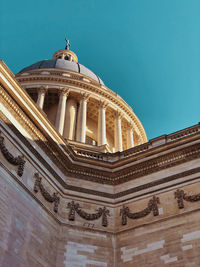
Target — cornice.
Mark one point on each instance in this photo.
(21, 97)
(148, 166)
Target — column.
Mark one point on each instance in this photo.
(82, 117)
(102, 124)
(130, 140)
(41, 95)
(70, 119)
(118, 132)
(60, 117)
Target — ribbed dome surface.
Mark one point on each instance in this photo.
(65, 65)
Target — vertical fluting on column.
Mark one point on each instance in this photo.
(130, 140)
(41, 95)
(82, 117)
(70, 119)
(118, 132)
(60, 117)
(102, 124)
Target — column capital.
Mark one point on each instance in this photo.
(62, 91)
(117, 114)
(103, 104)
(42, 89)
(129, 125)
(84, 97)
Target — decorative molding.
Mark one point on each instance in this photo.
(180, 195)
(138, 169)
(127, 192)
(39, 186)
(16, 161)
(151, 207)
(101, 212)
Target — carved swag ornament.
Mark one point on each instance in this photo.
(39, 186)
(101, 212)
(180, 195)
(16, 161)
(152, 207)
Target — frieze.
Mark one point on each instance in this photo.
(101, 212)
(180, 195)
(90, 191)
(151, 207)
(39, 186)
(16, 161)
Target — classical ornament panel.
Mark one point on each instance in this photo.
(101, 213)
(16, 161)
(180, 195)
(38, 186)
(151, 207)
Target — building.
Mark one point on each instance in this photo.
(80, 185)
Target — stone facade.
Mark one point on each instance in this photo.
(69, 204)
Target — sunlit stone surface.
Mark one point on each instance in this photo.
(79, 183)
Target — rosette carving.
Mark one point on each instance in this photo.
(38, 186)
(151, 207)
(16, 161)
(75, 208)
(180, 195)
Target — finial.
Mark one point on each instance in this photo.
(68, 44)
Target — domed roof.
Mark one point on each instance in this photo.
(66, 60)
(65, 65)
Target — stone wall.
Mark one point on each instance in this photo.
(28, 234)
(172, 242)
(83, 248)
(32, 231)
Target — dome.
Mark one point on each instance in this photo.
(82, 109)
(64, 64)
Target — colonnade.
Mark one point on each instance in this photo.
(73, 126)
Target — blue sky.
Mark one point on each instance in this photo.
(147, 51)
